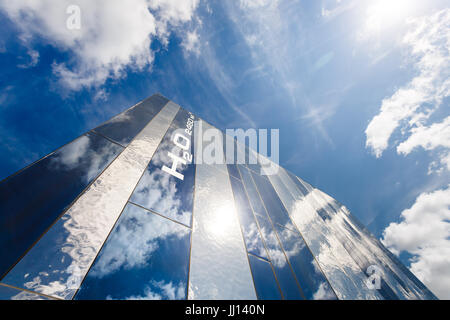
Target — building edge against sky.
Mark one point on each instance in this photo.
(125, 212)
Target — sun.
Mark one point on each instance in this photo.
(385, 14)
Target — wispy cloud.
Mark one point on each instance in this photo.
(411, 106)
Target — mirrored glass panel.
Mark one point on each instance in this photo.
(283, 270)
(272, 202)
(146, 257)
(31, 200)
(253, 195)
(312, 281)
(167, 186)
(219, 266)
(249, 227)
(265, 283)
(7, 293)
(344, 275)
(230, 151)
(125, 126)
(58, 262)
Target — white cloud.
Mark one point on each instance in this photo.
(191, 43)
(411, 106)
(114, 34)
(425, 232)
(134, 241)
(33, 60)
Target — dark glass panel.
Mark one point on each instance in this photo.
(283, 270)
(146, 257)
(255, 200)
(31, 200)
(312, 281)
(273, 204)
(233, 171)
(250, 229)
(125, 126)
(264, 279)
(167, 186)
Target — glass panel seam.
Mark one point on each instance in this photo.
(123, 208)
(158, 214)
(242, 234)
(301, 235)
(64, 211)
(279, 242)
(29, 291)
(83, 191)
(259, 230)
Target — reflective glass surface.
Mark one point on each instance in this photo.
(219, 266)
(344, 275)
(125, 126)
(231, 158)
(265, 283)
(31, 200)
(272, 202)
(167, 186)
(394, 284)
(255, 200)
(7, 293)
(59, 261)
(146, 257)
(312, 281)
(283, 270)
(250, 229)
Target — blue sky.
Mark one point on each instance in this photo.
(359, 91)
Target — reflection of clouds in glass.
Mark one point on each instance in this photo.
(253, 242)
(134, 240)
(157, 191)
(123, 117)
(80, 155)
(23, 295)
(364, 247)
(273, 247)
(291, 245)
(68, 249)
(71, 155)
(324, 292)
(160, 290)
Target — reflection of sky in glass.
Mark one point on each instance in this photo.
(366, 252)
(265, 283)
(145, 257)
(58, 262)
(249, 227)
(272, 202)
(283, 270)
(219, 264)
(31, 200)
(125, 126)
(313, 283)
(255, 200)
(7, 293)
(344, 275)
(159, 190)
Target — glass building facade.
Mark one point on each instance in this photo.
(126, 212)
